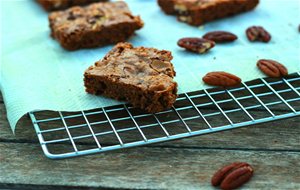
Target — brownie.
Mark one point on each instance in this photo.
(51, 5)
(197, 12)
(95, 25)
(141, 76)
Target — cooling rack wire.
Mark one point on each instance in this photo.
(70, 134)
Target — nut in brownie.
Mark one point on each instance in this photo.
(197, 12)
(142, 76)
(95, 25)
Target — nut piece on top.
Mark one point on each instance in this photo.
(52, 5)
(197, 12)
(142, 76)
(96, 25)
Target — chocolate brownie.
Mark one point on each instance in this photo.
(96, 25)
(142, 76)
(197, 12)
(51, 5)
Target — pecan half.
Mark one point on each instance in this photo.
(272, 68)
(220, 36)
(232, 176)
(258, 33)
(198, 45)
(221, 78)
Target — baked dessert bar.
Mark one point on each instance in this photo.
(51, 5)
(96, 25)
(197, 12)
(142, 76)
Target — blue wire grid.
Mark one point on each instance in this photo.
(70, 134)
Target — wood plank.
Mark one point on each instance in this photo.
(148, 167)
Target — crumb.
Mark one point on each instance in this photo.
(201, 27)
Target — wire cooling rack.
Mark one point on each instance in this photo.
(65, 134)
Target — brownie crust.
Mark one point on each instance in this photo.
(52, 5)
(96, 25)
(167, 6)
(197, 12)
(141, 76)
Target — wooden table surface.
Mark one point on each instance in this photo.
(272, 148)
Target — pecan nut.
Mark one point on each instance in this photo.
(163, 67)
(232, 176)
(221, 78)
(220, 36)
(198, 45)
(258, 33)
(272, 68)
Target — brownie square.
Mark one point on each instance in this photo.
(139, 75)
(95, 25)
(52, 5)
(197, 12)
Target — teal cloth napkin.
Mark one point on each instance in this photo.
(36, 73)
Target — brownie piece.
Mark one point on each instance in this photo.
(142, 76)
(197, 12)
(96, 25)
(52, 5)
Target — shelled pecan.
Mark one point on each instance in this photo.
(198, 45)
(220, 36)
(258, 33)
(221, 78)
(272, 68)
(232, 176)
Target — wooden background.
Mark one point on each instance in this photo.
(272, 148)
